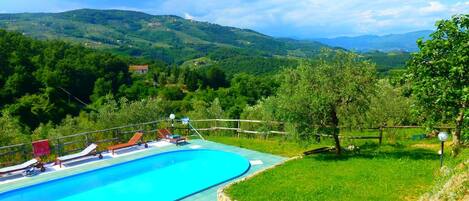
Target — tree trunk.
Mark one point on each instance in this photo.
(457, 132)
(335, 134)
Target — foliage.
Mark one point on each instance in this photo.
(110, 114)
(202, 110)
(389, 107)
(11, 131)
(386, 61)
(36, 78)
(255, 65)
(329, 91)
(63, 79)
(439, 74)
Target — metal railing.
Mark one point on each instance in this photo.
(75, 142)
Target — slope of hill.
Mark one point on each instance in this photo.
(171, 39)
(392, 42)
(385, 61)
(166, 37)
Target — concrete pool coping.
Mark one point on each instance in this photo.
(266, 161)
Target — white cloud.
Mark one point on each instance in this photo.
(313, 18)
(434, 6)
(188, 16)
(299, 18)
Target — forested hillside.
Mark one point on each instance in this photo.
(34, 76)
(171, 39)
(388, 60)
(43, 81)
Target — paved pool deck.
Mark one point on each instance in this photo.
(259, 161)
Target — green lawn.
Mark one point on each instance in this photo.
(378, 173)
(399, 169)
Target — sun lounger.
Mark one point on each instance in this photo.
(24, 166)
(89, 151)
(166, 134)
(135, 140)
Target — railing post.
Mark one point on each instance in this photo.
(87, 141)
(116, 135)
(57, 148)
(155, 128)
(25, 152)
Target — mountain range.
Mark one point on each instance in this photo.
(167, 37)
(391, 42)
(176, 40)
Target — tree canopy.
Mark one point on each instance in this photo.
(323, 93)
(41, 81)
(439, 74)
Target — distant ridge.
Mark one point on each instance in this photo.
(392, 42)
(175, 41)
(167, 37)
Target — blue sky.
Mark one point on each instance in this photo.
(281, 18)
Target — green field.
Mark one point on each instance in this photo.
(391, 171)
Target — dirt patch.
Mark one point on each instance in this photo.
(426, 146)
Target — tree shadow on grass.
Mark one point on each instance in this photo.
(376, 151)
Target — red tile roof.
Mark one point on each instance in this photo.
(138, 67)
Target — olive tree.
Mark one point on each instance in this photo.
(336, 88)
(389, 106)
(439, 74)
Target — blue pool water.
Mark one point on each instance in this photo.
(166, 176)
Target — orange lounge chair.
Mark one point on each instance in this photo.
(166, 134)
(135, 140)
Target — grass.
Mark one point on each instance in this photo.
(399, 169)
(388, 172)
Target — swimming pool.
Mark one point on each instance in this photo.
(166, 176)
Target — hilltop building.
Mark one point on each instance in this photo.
(140, 69)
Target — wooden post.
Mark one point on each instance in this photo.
(269, 126)
(239, 127)
(216, 125)
(380, 134)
